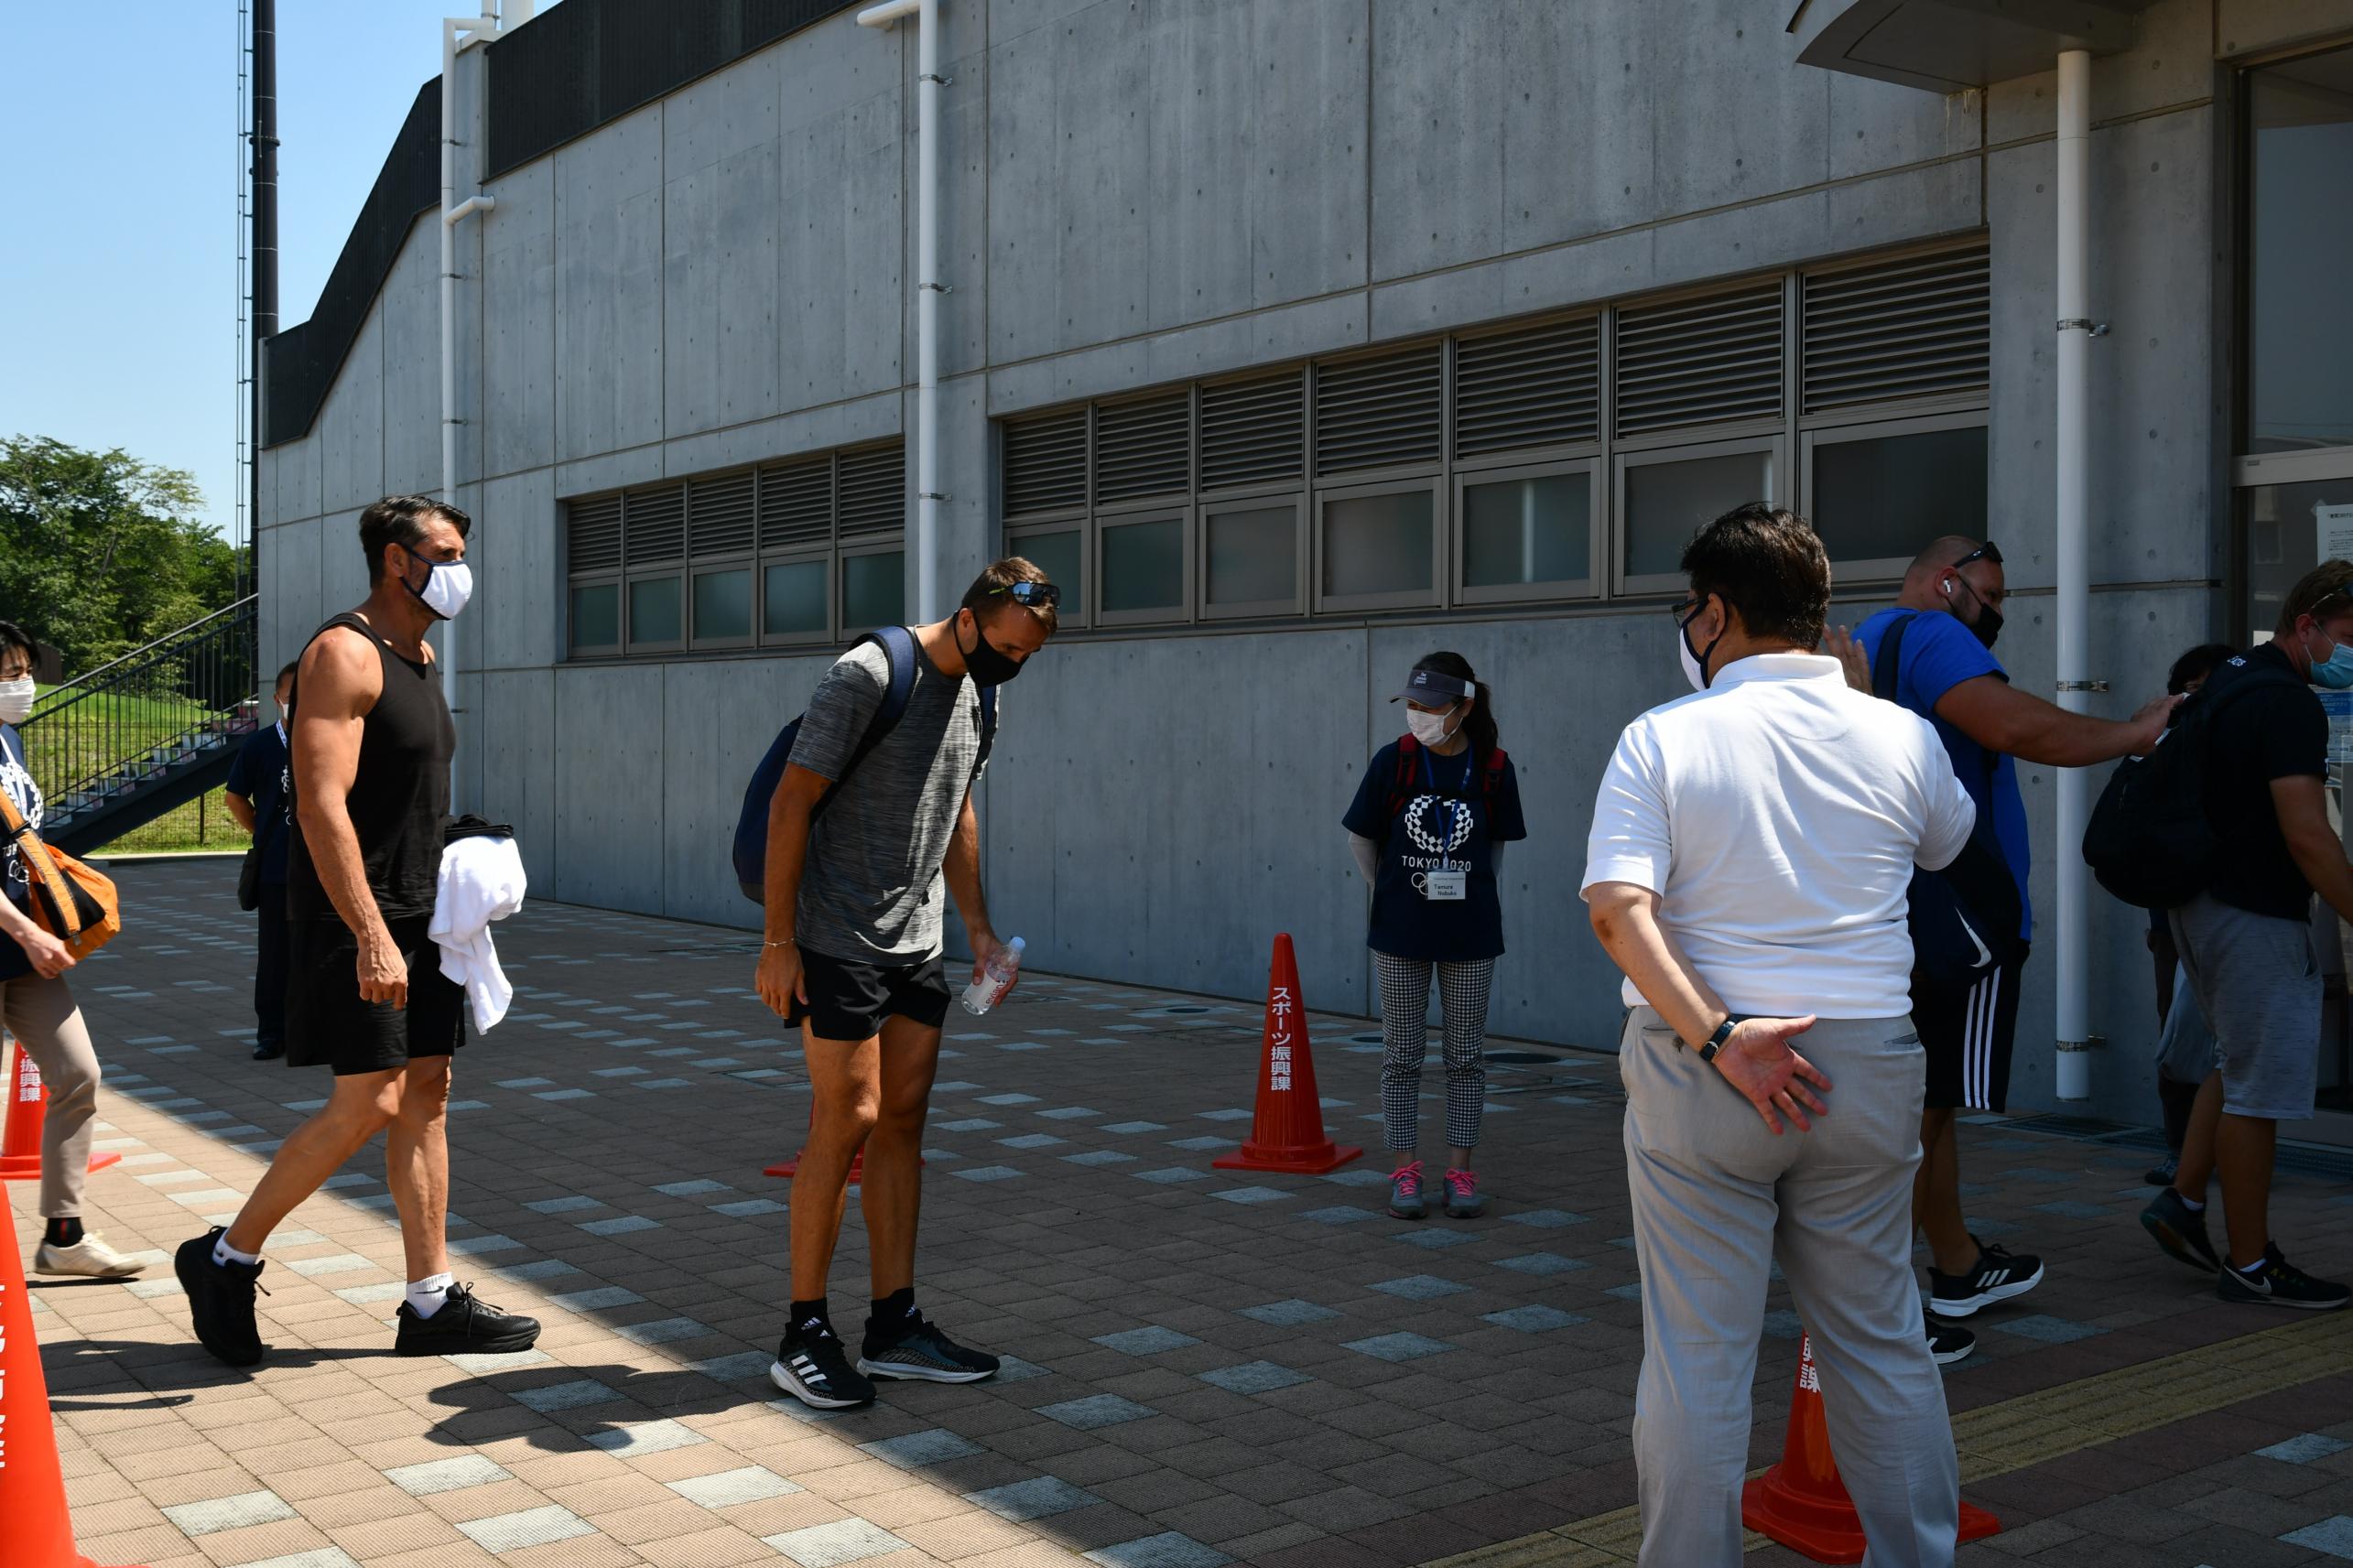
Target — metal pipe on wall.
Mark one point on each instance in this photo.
(477, 28)
(2073, 609)
(928, 288)
(262, 314)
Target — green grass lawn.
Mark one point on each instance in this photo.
(203, 823)
(100, 730)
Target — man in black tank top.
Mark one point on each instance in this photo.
(372, 738)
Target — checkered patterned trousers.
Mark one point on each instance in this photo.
(1405, 1029)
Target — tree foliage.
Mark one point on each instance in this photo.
(101, 553)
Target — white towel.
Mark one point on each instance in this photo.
(482, 880)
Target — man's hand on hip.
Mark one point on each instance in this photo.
(1761, 1065)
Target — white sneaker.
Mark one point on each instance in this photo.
(89, 1258)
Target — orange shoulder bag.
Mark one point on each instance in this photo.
(71, 902)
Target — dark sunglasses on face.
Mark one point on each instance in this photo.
(1034, 595)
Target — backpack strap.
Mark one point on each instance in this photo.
(1494, 780)
(988, 727)
(1400, 782)
(1887, 667)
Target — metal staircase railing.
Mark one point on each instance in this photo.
(117, 747)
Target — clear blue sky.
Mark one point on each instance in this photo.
(117, 282)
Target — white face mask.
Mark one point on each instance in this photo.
(15, 699)
(1693, 670)
(448, 586)
(1430, 729)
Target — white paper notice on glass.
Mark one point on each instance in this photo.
(2333, 526)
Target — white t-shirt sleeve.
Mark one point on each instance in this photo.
(1631, 840)
(1950, 815)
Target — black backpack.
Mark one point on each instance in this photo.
(2151, 841)
(1964, 918)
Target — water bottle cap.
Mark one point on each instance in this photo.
(1017, 945)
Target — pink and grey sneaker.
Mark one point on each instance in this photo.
(1406, 1192)
(1462, 1199)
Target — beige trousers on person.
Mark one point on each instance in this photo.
(41, 1014)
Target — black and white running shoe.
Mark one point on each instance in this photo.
(466, 1325)
(1998, 1275)
(919, 1350)
(1947, 1345)
(815, 1370)
(2278, 1283)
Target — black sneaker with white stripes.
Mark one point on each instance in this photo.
(1946, 1344)
(1998, 1275)
(919, 1350)
(813, 1366)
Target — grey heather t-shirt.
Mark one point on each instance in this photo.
(870, 887)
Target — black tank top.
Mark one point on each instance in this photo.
(400, 794)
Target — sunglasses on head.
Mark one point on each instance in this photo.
(1034, 595)
(1985, 552)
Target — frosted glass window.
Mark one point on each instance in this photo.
(1667, 503)
(1885, 498)
(596, 616)
(873, 590)
(793, 601)
(1521, 531)
(1254, 556)
(1057, 556)
(724, 603)
(654, 611)
(1379, 544)
(1143, 565)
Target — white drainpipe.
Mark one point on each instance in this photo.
(928, 288)
(2074, 604)
(478, 30)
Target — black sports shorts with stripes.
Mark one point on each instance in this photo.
(1967, 1036)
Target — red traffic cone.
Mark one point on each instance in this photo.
(1801, 1502)
(1287, 1133)
(857, 1161)
(20, 1145)
(34, 1531)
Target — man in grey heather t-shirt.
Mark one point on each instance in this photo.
(852, 955)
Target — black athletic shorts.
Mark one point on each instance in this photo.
(848, 1000)
(327, 1024)
(1968, 1036)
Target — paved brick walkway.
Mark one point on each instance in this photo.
(1207, 1367)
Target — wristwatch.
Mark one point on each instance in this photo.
(1717, 1041)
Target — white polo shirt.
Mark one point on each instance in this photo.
(1779, 816)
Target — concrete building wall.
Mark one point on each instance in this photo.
(1139, 193)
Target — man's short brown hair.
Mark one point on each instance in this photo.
(987, 597)
(2328, 586)
(1767, 563)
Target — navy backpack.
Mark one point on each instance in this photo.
(751, 827)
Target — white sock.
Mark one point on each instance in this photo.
(426, 1295)
(2195, 1206)
(225, 1253)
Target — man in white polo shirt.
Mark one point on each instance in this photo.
(1752, 850)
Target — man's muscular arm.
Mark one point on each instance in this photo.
(341, 679)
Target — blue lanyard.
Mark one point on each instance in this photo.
(1454, 807)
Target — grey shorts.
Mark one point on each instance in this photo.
(2184, 1046)
(2258, 985)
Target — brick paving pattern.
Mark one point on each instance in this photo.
(1203, 1366)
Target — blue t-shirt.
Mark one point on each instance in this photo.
(17, 780)
(1444, 817)
(261, 773)
(1938, 655)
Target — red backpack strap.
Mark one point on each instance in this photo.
(1494, 782)
(1401, 785)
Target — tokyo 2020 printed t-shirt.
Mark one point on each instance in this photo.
(1443, 816)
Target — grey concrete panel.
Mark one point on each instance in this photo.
(518, 330)
(1575, 274)
(1438, 79)
(2170, 64)
(838, 64)
(265, 512)
(351, 423)
(608, 470)
(609, 846)
(1024, 221)
(1761, 124)
(832, 424)
(1311, 191)
(969, 537)
(837, 281)
(514, 743)
(1203, 95)
(1577, 122)
(2022, 408)
(516, 612)
(719, 291)
(609, 381)
(1010, 20)
(410, 308)
(1265, 337)
(1922, 202)
(298, 491)
(342, 565)
(1875, 125)
(963, 217)
(2242, 26)
(292, 606)
(724, 714)
(1103, 187)
(729, 112)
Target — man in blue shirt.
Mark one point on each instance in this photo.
(1950, 610)
(261, 800)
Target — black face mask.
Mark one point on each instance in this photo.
(1988, 625)
(987, 663)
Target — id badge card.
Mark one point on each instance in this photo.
(1445, 887)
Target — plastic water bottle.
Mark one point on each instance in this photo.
(984, 993)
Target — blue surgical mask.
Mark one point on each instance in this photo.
(2335, 671)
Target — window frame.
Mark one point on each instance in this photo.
(1629, 584)
(1233, 501)
(1588, 587)
(674, 571)
(1434, 485)
(1887, 569)
(823, 557)
(1101, 614)
(617, 580)
(698, 569)
(1070, 618)
(845, 629)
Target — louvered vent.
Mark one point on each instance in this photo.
(1699, 362)
(797, 504)
(720, 518)
(1915, 328)
(1046, 463)
(873, 492)
(1539, 388)
(1253, 432)
(595, 533)
(1378, 413)
(657, 525)
(1143, 447)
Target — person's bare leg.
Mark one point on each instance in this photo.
(2196, 1169)
(359, 1106)
(845, 1085)
(892, 1200)
(2243, 1151)
(416, 1165)
(1937, 1195)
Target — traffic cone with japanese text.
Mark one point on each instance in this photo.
(20, 1145)
(1286, 1132)
(1801, 1502)
(35, 1530)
